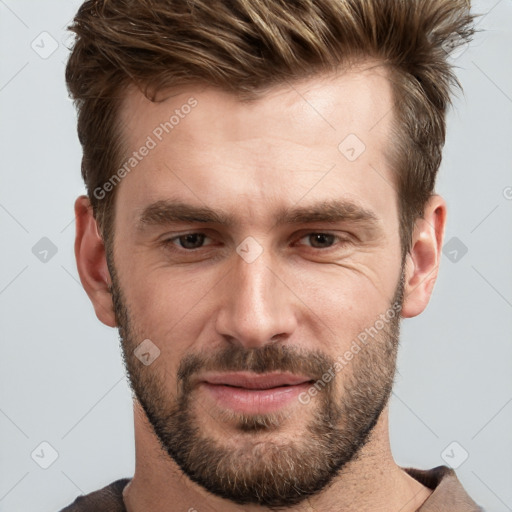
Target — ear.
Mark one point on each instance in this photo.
(422, 262)
(92, 263)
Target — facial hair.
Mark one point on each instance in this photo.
(267, 468)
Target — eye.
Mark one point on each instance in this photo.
(192, 241)
(188, 241)
(324, 240)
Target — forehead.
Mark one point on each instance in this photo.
(317, 109)
(277, 146)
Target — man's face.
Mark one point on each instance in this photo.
(252, 307)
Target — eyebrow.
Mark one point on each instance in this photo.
(165, 212)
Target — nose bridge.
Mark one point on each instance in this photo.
(256, 306)
(256, 282)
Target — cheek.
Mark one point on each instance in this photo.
(168, 307)
(339, 304)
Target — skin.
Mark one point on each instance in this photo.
(251, 160)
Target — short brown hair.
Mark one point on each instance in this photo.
(247, 46)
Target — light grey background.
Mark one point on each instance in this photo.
(62, 380)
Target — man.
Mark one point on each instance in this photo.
(260, 215)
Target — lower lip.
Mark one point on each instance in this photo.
(255, 401)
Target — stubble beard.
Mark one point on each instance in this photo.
(265, 466)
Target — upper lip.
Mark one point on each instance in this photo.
(255, 381)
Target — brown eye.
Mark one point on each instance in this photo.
(321, 240)
(188, 241)
(192, 240)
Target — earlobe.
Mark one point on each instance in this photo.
(422, 262)
(91, 261)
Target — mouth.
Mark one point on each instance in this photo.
(254, 393)
(255, 381)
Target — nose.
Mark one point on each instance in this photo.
(257, 307)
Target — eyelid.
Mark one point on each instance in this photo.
(339, 239)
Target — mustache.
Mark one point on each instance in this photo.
(269, 358)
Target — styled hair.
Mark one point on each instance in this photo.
(245, 47)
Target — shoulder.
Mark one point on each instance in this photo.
(107, 499)
(448, 491)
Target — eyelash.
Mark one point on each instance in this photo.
(340, 241)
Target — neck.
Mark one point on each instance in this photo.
(372, 482)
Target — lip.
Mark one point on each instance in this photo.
(255, 381)
(252, 393)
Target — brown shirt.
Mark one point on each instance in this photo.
(448, 494)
